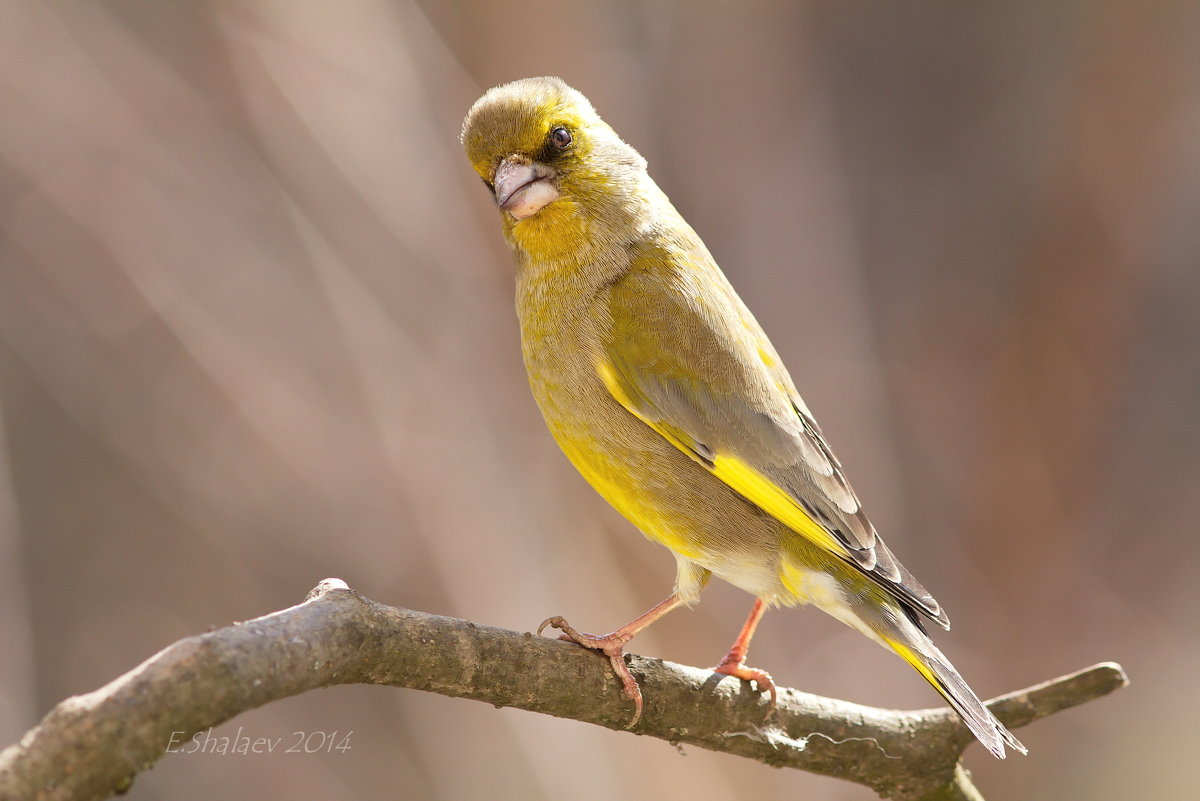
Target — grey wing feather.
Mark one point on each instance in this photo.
(767, 424)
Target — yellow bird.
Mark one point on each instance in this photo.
(664, 392)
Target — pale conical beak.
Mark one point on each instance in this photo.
(523, 187)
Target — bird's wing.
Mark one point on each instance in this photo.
(693, 364)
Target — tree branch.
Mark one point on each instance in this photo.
(93, 745)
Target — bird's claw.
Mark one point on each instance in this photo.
(612, 646)
(732, 665)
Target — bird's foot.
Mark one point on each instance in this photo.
(734, 664)
(612, 646)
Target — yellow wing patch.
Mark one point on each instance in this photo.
(617, 390)
(609, 377)
(764, 493)
(741, 477)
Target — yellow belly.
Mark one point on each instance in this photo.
(656, 517)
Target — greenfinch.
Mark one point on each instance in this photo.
(661, 388)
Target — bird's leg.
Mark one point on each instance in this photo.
(613, 646)
(734, 663)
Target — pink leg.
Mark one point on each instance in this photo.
(734, 663)
(613, 646)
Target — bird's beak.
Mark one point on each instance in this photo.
(523, 187)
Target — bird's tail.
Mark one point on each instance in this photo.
(906, 638)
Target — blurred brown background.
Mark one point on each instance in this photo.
(256, 329)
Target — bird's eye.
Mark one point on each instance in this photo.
(561, 138)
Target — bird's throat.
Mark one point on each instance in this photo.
(555, 232)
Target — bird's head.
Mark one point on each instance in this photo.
(555, 168)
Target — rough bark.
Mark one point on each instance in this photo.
(92, 746)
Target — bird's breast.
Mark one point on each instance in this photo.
(668, 496)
